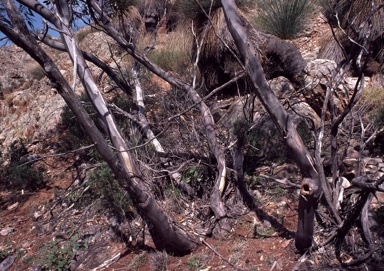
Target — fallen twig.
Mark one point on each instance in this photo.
(56, 155)
(282, 181)
(220, 256)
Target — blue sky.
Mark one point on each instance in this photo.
(37, 24)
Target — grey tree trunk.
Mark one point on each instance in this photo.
(310, 188)
(216, 202)
(167, 235)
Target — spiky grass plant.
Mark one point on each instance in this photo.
(285, 19)
(159, 261)
(351, 15)
(334, 11)
(193, 9)
(372, 103)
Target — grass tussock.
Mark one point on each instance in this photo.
(329, 47)
(36, 72)
(174, 55)
(194, 9)
(330, 9)
(372, 104)
(82, 33)
(18, 174)
(285, 19)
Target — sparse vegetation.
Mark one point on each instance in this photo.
(82, 33)
(237, 251)
(264, 232)
(196, 262)
(36, 72)
(137, 261)
(17, 176)
(285, 19)
(159, 261)
(57, 255)
(104, 186)
(174, 55)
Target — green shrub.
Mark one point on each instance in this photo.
(1, 92)
(58, 256)
(267, 145)
(3, 255)
(18, 176)
(285, 19)
(74, 136)
(193, 174)
(126, 104)
(103, 185)
(379, 215)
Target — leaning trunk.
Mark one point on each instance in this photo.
(166, 234)
(310, 188)
(217, 204)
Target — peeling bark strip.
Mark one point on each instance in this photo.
(168, 235)
(216, 202)
(310, 189)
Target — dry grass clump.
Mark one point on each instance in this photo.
(174, 55)
(329, 9)
(36, 72)
(330, 49)
(372, 104)
(83, 32)
(159, 261)
(356, 12)
(127, 21)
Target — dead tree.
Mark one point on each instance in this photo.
(311, 186)
(167, 235)
(217, 205)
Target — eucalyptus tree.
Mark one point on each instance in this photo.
(166, 233)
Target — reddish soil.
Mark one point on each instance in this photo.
(247, 247)
(36, 218)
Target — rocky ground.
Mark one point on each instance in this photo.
(61, 220)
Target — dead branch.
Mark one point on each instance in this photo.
(56, 155)
(282, 181)
(221, 257)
